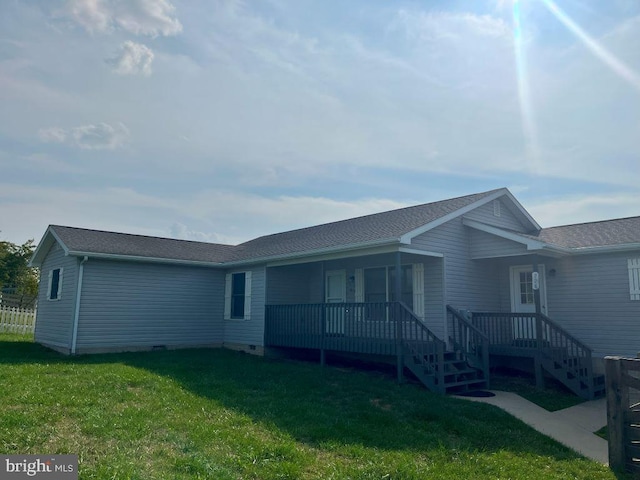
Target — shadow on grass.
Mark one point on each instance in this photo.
(324, 406)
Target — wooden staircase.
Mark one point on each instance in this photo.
(463, 369)
(574, 376)
(453, 375)
(553, 349)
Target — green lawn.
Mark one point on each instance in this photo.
(218, 414)
(553, 397)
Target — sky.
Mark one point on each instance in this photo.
(224, 120)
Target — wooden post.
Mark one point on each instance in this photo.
(323, 314)
(538, 326)
(617, 403)
(398, 309)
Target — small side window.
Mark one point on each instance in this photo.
(54, 291)
(237, 301)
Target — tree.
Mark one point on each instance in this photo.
(16, 277)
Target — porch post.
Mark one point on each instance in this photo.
(323, 326)
(398, 309)
(536, 300)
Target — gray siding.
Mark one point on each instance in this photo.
(434, 295)
(290, 284)
(251, 331)
(135, 304)
(589, 296)
(55, 317)
(485, 245)
(469, 284)
(506, 219)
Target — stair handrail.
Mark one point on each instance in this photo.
(472, 342)
(422, 343)
(559, 327)
(565, 354)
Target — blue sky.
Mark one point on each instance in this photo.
(225, 120)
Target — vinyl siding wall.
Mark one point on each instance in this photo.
(506, 219)
(251, 331)
(135, 304)
(469, 284)
(589, 296)
(485, 245)
(55, 317)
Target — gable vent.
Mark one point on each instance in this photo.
(496, 208)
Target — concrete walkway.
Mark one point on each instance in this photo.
(572, 426)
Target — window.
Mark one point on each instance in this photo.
(55, 284)
(238, 296)
(634, 278)
(379, 285)
(526, 288)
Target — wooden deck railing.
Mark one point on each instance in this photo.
(423, 346)
(386, 328)
(469, 340)
(512, 332)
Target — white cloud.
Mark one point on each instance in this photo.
(572, 209)
(140, 17)
(133, 59)
(52, 135)
(182, 232)
(101, 136)
(216, 216)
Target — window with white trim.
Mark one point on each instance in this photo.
(378, 285)
(237, 299)
(54, 290)
(634, 278)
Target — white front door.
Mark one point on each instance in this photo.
(522, 296)
(335, 292)
(523, 299)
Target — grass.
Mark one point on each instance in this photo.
(603, 432)
(196, 414)
(552, 398)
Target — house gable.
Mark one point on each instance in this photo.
(515, 214)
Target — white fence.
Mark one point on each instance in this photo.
(17, 320)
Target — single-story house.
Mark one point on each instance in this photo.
(441, 287)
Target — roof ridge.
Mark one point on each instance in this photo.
(142, 236)
(592, 222)
(408, 207)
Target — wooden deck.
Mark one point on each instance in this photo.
(391, 329)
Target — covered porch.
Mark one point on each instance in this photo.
(360, 305)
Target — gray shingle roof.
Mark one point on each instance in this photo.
(619, 231)
(379, 227)
(389, 225)
(113, 243)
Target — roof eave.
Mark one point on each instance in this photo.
(624, 247)
(313, 253)
(531, 244)
(44, 245)
(140, 258)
